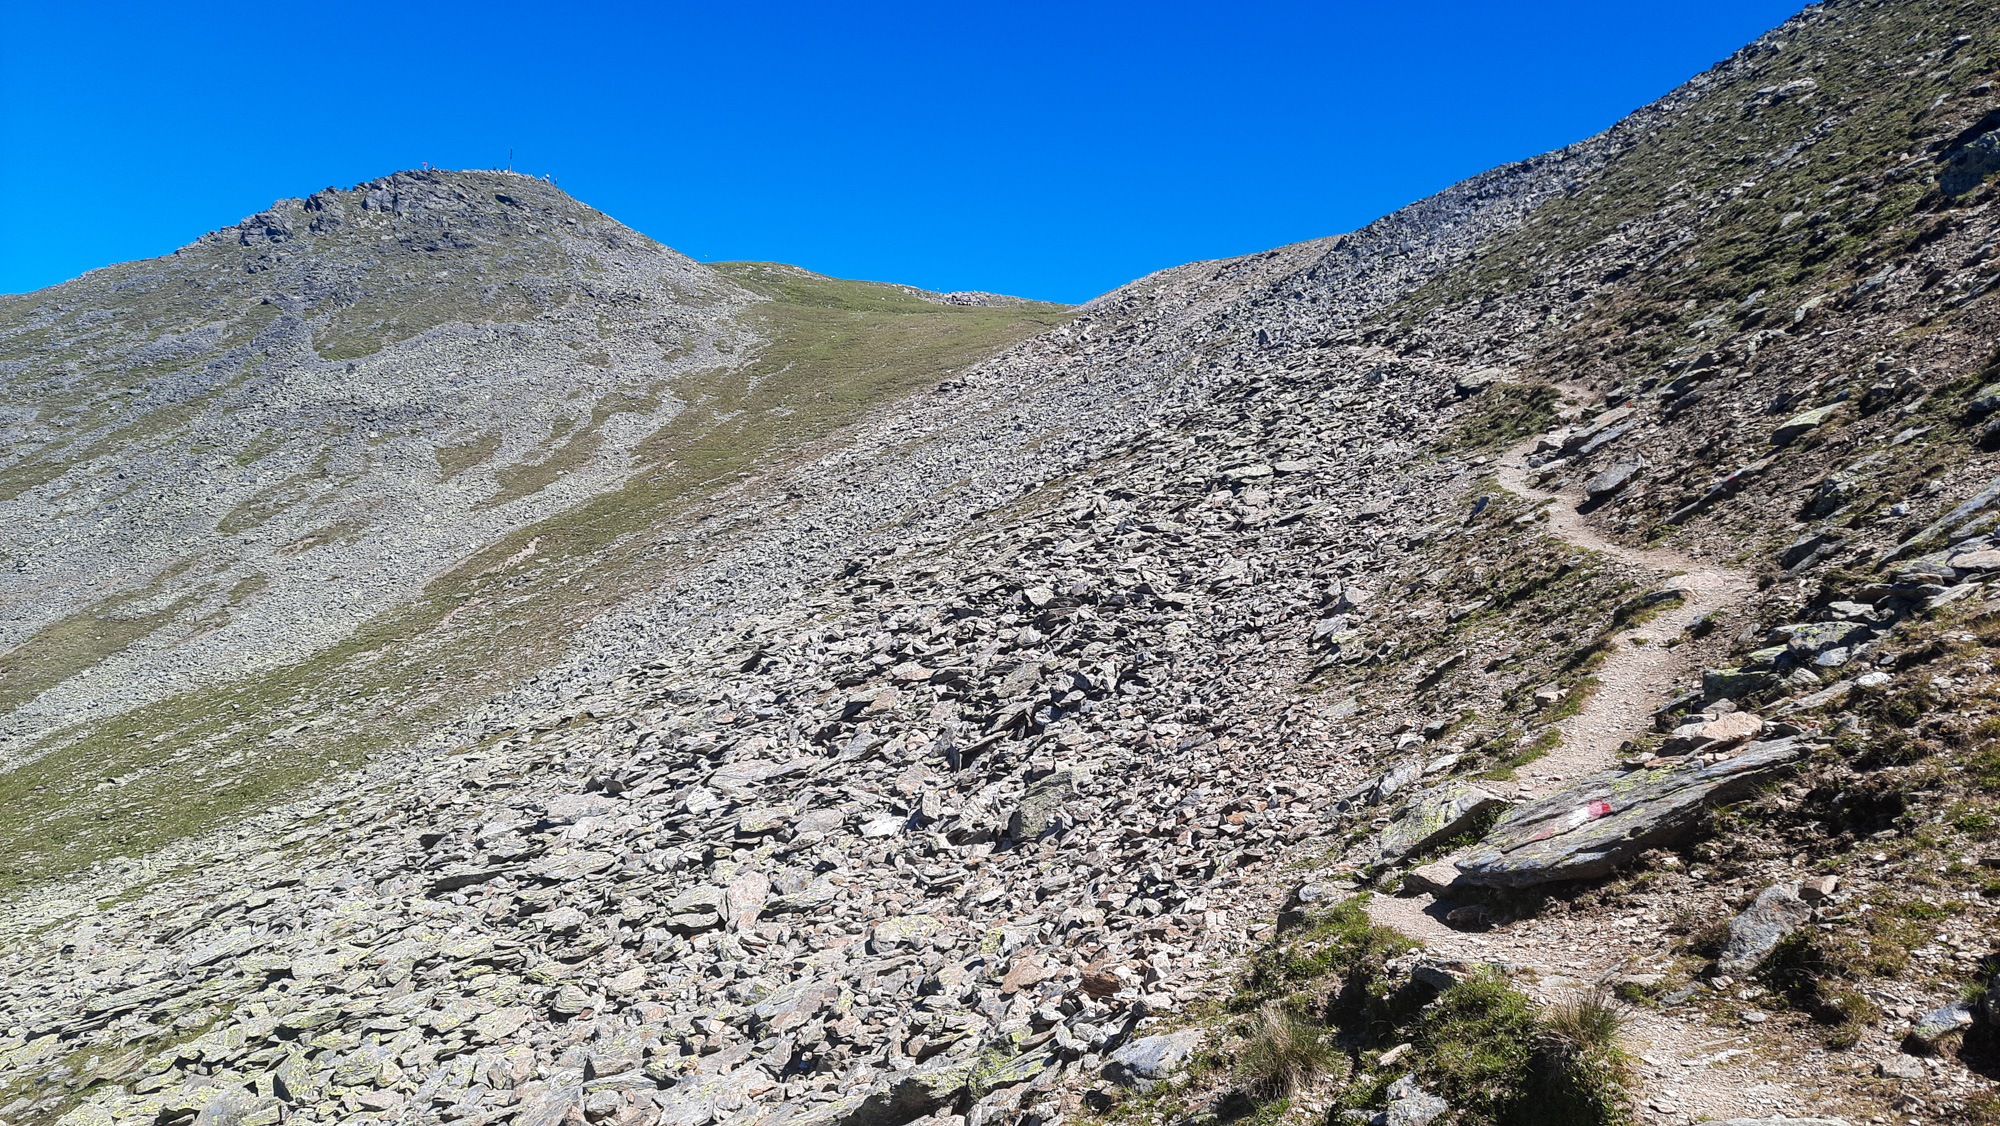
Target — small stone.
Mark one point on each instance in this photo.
(1100, 984)
(568, 1001)
(1411, 1105)
(627, 983)
(1900, 1067)
(1776, 913)
(378, 1100)
(697, 909)
(501, 1023)
(563, 920)
(1026, 971)
(888, 825)
(1795, 427)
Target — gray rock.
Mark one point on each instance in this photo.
(1432, 816)
(1775, 913)
(1395, 780)
(1152, 1058)
(1734, 683)
(1931, 1029)
(1900, 1067)
(1411, 1105)
(1703, 732)
(1039, 805)
(1818, 637)
(697, 909)
(1968, 165)
(1587, 436)
(1809, 549)
(1611, 480)
(1605, 820)
(1440, 975)
(1797, 426)
(930, 1087)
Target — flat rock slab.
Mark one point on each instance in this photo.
(1725, 730)
(1798, 425)
(1611, 480)
(924, 1089)
(1608, 818)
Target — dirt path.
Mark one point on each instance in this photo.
(1687, 1067)
(1637, 676)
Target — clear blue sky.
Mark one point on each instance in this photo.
(1052, 150)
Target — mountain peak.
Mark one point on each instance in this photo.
(456, 206)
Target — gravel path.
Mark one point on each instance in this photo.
(1687, 1067)
(1639, 673)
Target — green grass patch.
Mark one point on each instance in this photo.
(1500, 416)
(1336, 940)
(455, 459)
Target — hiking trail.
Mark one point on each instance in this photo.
(1686, 1067)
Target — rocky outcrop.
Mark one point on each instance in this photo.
(1604, 821)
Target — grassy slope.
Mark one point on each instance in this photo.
(192, 762)
(1852, 195)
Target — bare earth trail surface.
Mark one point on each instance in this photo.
(1639, 674)
(1690, 1070)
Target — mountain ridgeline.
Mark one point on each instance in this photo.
(1524, 660)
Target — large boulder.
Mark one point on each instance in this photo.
(1608, 818)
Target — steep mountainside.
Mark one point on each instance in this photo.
(231, 456)
(1526, 660)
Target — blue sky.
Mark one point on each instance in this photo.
(1053, 150)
